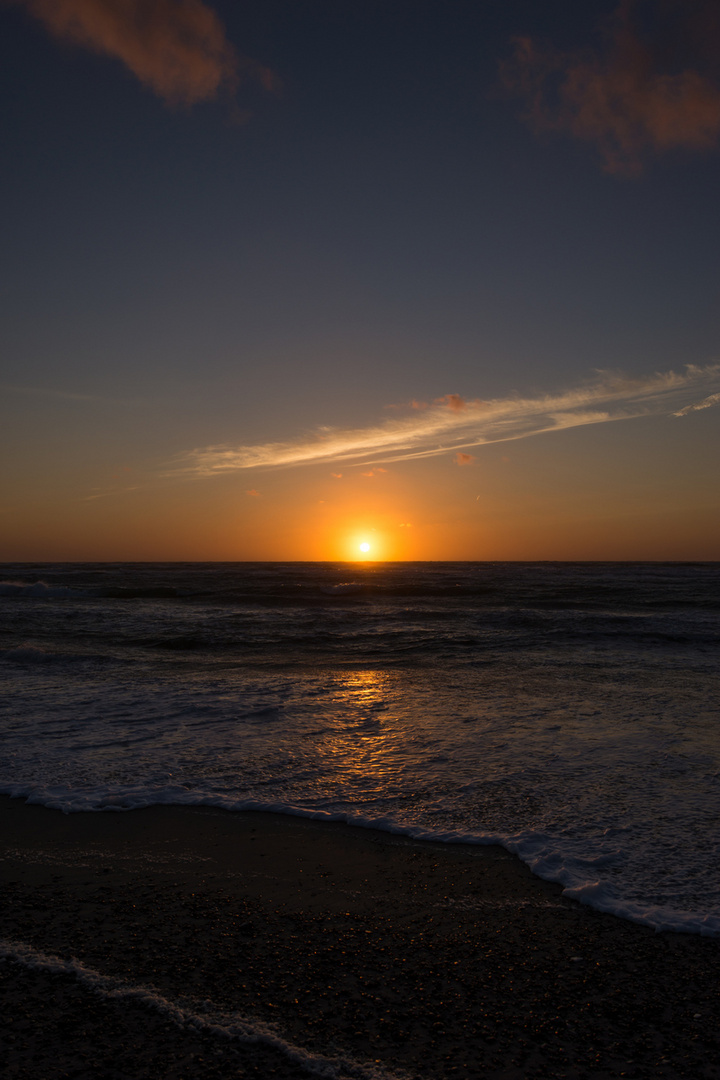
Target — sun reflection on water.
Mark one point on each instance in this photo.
(366, 738)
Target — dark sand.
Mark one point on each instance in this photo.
(411, 958)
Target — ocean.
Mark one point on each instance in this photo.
(567, 711)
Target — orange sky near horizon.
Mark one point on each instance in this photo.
(607, 492)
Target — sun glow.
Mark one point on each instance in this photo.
(364, 542)
(363, 547)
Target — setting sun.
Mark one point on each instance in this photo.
(364, 547)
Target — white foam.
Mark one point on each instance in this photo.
(198, 1016)
(541, 853)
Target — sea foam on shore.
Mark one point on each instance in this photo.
(215, 943)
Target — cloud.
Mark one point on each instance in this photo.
(251, 491)
(464, 459)
(107, 494)
(67, 395)
(707, 403)
(336, 475)
(453, 401)
(653, 87)
(178, 48)
(60, 395)
(442, 429)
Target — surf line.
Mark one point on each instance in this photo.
(207, 1017)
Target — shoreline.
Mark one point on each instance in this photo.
(658, 918)
(343, 951)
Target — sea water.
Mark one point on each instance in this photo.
(570, 712)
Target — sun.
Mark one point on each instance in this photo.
(364, 545)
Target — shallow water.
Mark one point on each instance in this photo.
(568, 711)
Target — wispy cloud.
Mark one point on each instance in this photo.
(108, 494)
(66, 395)
(706, 403)
(651, 86)
(177, 48)
(453, 425)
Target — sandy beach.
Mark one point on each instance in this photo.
(182, 942)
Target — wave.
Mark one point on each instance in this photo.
(195, 1015)
(33, 654)
(343, 588)
(42, 590)
(540, 852)
(38, 590)
(139, 592)
(538, 587)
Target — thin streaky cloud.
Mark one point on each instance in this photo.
(41, 391)
(66, 395)
(556, 423)
(707, 403)
(108, 494)
(452, 425)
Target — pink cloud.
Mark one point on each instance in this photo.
(464, 459)
(642, 92)
(453, 401)
(177, 48)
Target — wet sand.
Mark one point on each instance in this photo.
(178, 942)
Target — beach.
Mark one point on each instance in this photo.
(360, 541)
(193, 942)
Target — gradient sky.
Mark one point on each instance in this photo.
(440, 276)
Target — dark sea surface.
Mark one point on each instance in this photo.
(569, 711)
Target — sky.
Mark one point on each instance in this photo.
(437, 277)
